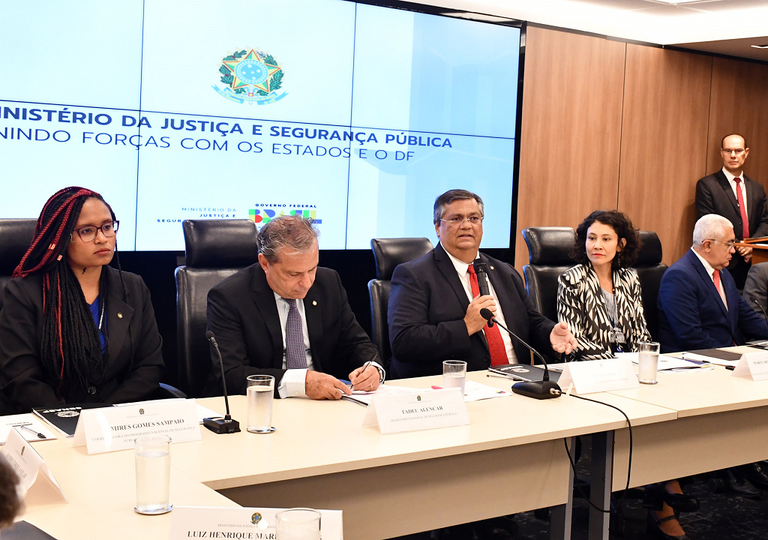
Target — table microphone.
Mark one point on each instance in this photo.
(481, 270)
(226, 424)
(544, 389)
(754, 301)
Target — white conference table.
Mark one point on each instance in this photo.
(721, 421)
(509, 459)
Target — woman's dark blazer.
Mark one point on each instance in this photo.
(132, 369)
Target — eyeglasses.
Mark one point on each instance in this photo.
(89, 232)
(729, 243)
(737, 151)
(459, 220)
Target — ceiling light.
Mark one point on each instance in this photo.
(675, 2)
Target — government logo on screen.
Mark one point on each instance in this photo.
(251, 77)
(263, 215)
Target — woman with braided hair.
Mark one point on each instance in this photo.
(72, 328)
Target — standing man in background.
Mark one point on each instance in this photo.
(741, 200)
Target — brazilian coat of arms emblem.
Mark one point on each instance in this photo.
(251, 77)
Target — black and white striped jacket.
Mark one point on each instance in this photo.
(580, 303)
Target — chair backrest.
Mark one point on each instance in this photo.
(388, 253)
(549, 255)
(215, 249)
(15, 237)
(650, 270)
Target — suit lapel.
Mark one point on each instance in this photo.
(732, 295)
(755, 213)
(264, 299)
(709, 285)
(726, 187)
(444, 263)
(501, 290)
(446, 267)
(119, 317)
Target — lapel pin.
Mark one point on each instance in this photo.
(314, 302)
(119, 315)
(491, 267)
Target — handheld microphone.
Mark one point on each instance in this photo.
(226, 424)
(754, 301)
(544, 389)
(481, 269)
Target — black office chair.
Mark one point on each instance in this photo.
(215, 249)
(15, 237)
(650, 270)
(549, 253)
(388, 253)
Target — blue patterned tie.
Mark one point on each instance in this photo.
(295, 355)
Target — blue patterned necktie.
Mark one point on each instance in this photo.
(295, 355)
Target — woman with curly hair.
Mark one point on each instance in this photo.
(600, 298)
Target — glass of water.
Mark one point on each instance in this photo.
(153, 474)
(298, 524)
(647, 362)
(454, 374)
(261, 389)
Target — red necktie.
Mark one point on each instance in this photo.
(492, 333)
(742, 209)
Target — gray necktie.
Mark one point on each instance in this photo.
(295, 355)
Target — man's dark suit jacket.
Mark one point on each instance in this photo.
(692, 314)
(242, 313)
(427, 304)
(715, 196)
(132, 369)
(756, 288)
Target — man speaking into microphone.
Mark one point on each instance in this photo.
(435, 301)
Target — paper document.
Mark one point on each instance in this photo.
(29, 426)
(674, 363)
(364, 398)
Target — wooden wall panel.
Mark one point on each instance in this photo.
(571, 129)
(740, 105)
(664, 142)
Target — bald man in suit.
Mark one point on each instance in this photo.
(726, 192)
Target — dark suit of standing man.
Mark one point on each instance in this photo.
(716, 194)
(431, 317)
(248, 311)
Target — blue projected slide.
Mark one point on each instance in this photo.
(355, 115)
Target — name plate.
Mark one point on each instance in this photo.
(396, 413)
(114, 428)
(599, 375)
(752, 366)
(240, 523)
(30, 467)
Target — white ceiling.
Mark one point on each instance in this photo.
(719, 26)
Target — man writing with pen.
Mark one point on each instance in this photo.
(286, 316)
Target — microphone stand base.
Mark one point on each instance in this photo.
(221, 426)
(537, 389)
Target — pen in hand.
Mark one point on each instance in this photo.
(365, 366)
